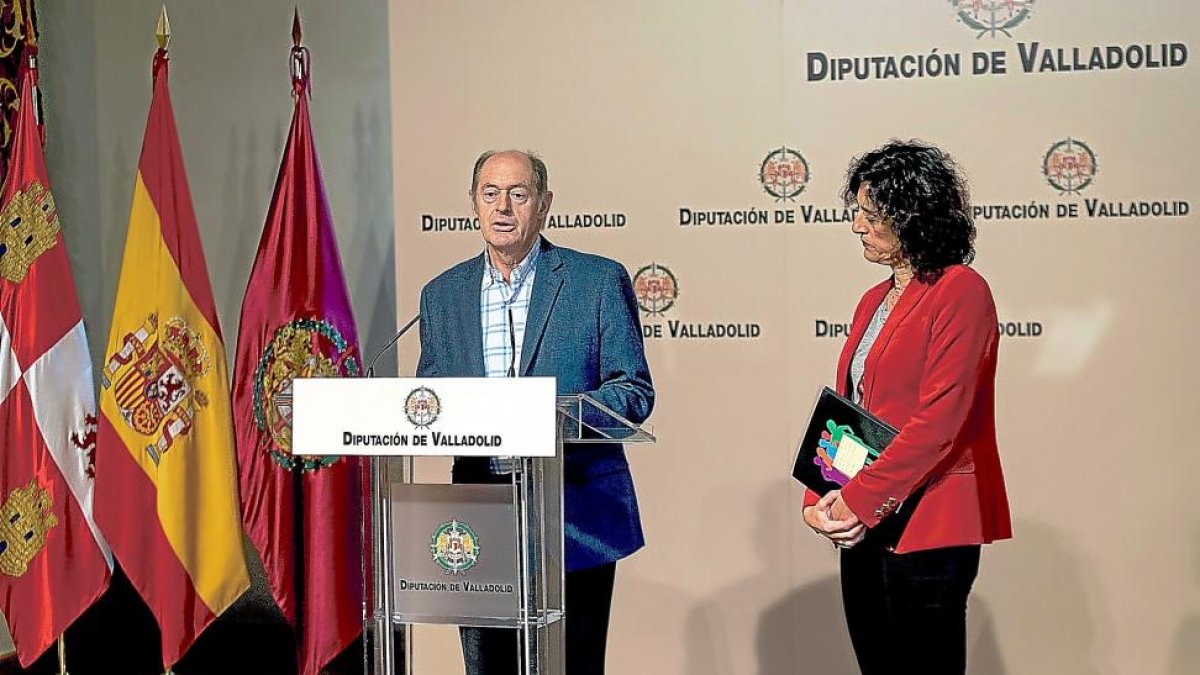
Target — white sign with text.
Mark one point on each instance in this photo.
(442, 416)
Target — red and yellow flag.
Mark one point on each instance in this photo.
(53, 561)
(166, 474)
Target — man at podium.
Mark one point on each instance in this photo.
(525, 307)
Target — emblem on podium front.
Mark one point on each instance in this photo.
(422, 407)
(455, 547)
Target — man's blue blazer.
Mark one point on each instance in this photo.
(582, 328)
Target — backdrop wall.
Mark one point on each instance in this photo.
(703, 145)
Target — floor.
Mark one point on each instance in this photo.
(118, 636)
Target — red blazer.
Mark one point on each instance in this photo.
(932, 374)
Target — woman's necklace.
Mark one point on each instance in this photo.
(896, 291)
(893, 297)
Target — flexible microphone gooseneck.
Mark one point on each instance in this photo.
(394, 340)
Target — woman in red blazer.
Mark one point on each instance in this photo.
(921, 355)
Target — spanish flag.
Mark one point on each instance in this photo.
(166, 482)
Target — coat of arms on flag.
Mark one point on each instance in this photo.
(32, 230)
(154, 381)
(53, 561)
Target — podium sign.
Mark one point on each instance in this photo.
(445, 416)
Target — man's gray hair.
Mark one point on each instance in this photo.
(541, 180)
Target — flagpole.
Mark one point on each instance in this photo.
(162, 33)
(31, 49)
(62, 654)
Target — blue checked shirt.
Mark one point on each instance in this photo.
(503, 308)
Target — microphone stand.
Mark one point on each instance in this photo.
(394, 340)
(384, 648)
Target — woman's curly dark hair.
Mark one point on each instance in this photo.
(921, 192)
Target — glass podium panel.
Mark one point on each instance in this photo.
(484, 555)
(583, 419)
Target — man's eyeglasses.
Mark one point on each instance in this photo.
(519, 194)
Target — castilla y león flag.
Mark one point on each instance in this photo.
(53, 561)
(166, 482)
(302, 512)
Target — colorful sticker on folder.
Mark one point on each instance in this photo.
(841, 454)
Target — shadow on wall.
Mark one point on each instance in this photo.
(784, 630)
(245, 192)
(369, 256)
(639, 638)
(1054, 620)
(1039, 578)
(1055, 623)
(1185, 651)
(120, 188)
(806, 632)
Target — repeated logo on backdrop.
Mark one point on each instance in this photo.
(840, 330)
(432, 223)
(784, 174)
(1069, 166)
(992, 17)
(656, 288)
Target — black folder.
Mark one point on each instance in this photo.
(837, 425)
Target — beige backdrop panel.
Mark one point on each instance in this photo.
(642, 110)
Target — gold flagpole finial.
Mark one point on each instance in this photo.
(296, 33)
(163, 30)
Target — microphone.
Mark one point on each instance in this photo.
(394, 340)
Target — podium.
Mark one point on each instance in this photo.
(467, 554)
